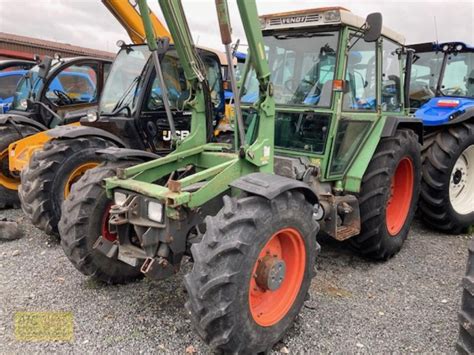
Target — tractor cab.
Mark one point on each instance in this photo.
(442, 81)
(11, 71)
(329, 90)
(64, 88)
(132, 101)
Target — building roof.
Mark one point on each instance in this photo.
(51, 46)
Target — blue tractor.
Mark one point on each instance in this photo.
(11, 71)
(442, 95)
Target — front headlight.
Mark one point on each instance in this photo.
(92, 116)
(24, 104)
(120, 198)
(332, 16)
(155, 211)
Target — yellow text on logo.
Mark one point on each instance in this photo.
(43, 326)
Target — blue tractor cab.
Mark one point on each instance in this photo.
(442, 95)
(239, 70)
(11, 71)
(442, 81)
(8, 82)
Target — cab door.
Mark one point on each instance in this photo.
(75, 88)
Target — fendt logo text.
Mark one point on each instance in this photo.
(294, 19)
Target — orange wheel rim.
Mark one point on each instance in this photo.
(401, 194)
(76, 175)
(282, 258)
(106, 233)
(7, 181)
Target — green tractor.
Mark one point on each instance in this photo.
(321, 145)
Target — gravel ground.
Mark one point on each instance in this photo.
(408, 304)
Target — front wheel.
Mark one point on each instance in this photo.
(388, 197)
(50, 175)
(85, 217)
(252, 271)
(447, 190)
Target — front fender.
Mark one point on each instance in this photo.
(77, 131)
(270, 186)
(18, 119)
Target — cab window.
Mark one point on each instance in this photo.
(175, 83)
(8, 85)
(74, 85)
(391, 83)
(361, 89)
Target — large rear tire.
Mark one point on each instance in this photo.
(252, 271)
(388, 197)
(447, 189)
(84, 219)
(465, 344)
(50, 175)
(9, 182)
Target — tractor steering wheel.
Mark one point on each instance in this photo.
(63, 97)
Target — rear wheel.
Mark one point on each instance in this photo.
(9, 181)
(50, 175)
(447, 190)
(85, 218)
(465, 344)
(252, 271)
(388, 196)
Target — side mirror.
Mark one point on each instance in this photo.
(373, 27)
(44, 67)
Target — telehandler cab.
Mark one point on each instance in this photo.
(53, 92)
(324, 146)
(131, 116)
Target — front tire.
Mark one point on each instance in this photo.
(240, 300)
(388, 197)
(447, 189)
(9, 181)
(84, 219)
(50, 175)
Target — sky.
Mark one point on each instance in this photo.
(88, 23)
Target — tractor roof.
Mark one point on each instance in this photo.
(323, 16)
(444, 47)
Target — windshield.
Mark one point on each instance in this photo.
(458, 79)
(425, 73)
(122, 82)
(302, 68)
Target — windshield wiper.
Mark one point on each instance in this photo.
(120, 106)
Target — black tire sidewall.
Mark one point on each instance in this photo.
(467, 219)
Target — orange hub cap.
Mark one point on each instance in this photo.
(401, 194)
(277, 277)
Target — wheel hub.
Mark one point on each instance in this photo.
(457, 176)
(270, 273)
(461, 186)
